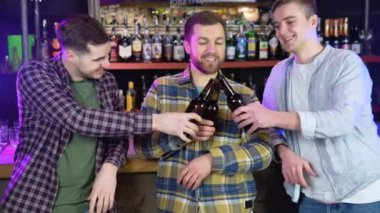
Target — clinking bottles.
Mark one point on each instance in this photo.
(234, 100)
(205, 104)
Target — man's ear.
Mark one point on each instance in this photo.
(314, 20)
(186, 44)
(71, 55)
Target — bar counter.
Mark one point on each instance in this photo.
(133, 165)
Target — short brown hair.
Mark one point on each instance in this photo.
(310, 6)
(202, 18)
(78, 31)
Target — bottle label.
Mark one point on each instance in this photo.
(263, 50)
(168, 51)
(125, 52)
(273, 44)
(179, 53)
(137, 46)
(241, 48)
(113, 54)
(251, 47)
(156, 50)
(147, 52)
(231, 51)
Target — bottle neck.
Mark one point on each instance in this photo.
(226, 86)
(206, 92)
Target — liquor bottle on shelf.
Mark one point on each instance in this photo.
(44, 49)
(273, 46)
(147, 46)
(234, 100)
(55, 46)
(124, 46)
(230, 47)
(168, 44)
(251, 44)
(130, 97)
(114, 46)
(335, 41)
(16, 61)
(263, 46)
(356, 45)
(345, 41)
(178, 49)
(156, 42)
(137, 44)
(241, 44)
(142, 92)
(326, 34)
(319, 31)
(6, 66)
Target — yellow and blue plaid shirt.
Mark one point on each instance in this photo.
(230, 187)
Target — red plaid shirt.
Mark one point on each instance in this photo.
(49, 116)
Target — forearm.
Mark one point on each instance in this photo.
(231, 160)
(117, 151)
(286, 120)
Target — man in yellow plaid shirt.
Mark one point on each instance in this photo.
(213, 173)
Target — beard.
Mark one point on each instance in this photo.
(205, 66)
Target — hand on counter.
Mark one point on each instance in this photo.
(103, 191)
(192, 174)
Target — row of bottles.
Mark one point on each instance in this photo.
(50, 47)
(337, 33)
(147, 47)
(253, 45)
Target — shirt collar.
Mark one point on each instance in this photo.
(317, 60)
(186, 76)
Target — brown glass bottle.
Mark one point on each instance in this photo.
(198, 105)
(212, 107)
(206, 104)
(234, 100)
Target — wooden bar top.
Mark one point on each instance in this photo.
(133, 165)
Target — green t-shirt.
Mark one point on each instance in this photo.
(76, 166)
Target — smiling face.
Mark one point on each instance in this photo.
(90, 64)
(206, 47)
(293, 29)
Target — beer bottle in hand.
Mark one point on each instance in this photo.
(198, 105)
(212, 107)
(234, 100)
(205, 104)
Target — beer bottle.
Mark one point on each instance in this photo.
(198, 105)
(212, 107)
(206, 104)
(234, 100)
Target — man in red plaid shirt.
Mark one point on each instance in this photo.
(73, 125)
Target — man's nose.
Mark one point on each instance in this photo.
(105, 63)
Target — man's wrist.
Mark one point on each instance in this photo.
(155, 119)
(109, 168)
(281, 150)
